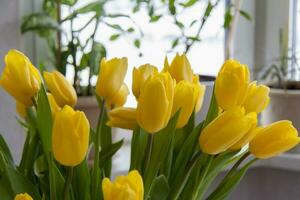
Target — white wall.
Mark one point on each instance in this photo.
(9, 38)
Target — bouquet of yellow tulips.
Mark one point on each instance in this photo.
(172, 156)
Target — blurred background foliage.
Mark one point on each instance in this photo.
(66, 48)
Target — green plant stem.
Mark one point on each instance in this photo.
(95, 173)
(68, 182)
(235, 167)
(181, 183)
(148, 154)
(51, 177)
(203, 174)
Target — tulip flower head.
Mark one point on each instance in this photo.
(180, 68)
(128, 187)
(62, 91)
(53, 105)
(70, 136)
(123, 118)
(257, 98)
(111, 77)
(139, 77)
(231, 84)
(20, 78)
(274, 139)
(119, 99)
(155, 102)
(23, 196)
(225, 130)
(21, 109)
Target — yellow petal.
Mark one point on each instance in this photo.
(23, 196)
(119, 99)
(180, 68)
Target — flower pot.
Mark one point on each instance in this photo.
(284, 104)
(89, 105)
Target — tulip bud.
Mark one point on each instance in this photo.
(155, 102)
(119, 99)
(20, 78)
(180, 68)
(274, 139)
(225, 130)
(257, 98)
(185, 99)
(249, 135)
(23, 196)
(60, 88)
(140, 75)
(111, 77)
(199, 93)
(53, 105)
(124, 187)
(123, 118)
(231, 84)
(70, 136)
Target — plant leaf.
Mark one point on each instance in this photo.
(246, 15)
(159, 189)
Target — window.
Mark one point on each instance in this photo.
(206, 56)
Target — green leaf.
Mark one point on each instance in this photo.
(84, 61)
(208, 9)
(172, 7)
(189, 3)
(5, 191)
(95, 6)
(137, 43)
(41, 23)
(98, 52)
(179, 24)
(175, 43)
(40, 166)
(246, 15)
(4, 149)
(223, 190)
(15, 182)
(155, 18)
(185, 153)
(107, 152)
(44, 120)
(69, 2)
(138, 149)
(161, 142)
(106, 142)
(114, 37)
(159, 189)
(227, 18)
(81, 181)
(130, 30)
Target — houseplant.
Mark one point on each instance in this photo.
(283, 79)
(68, 48)
(172, 157)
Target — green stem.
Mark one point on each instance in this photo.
(52, 177)
(203, 175)
(181, 183)
(148, 153)
(68, 182)
(95, 173)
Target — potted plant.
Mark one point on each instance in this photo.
(283, 79)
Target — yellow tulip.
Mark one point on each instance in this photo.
(249, 135)
(155, 102)
(123, 118)
(185, 98)
(199, 93)
(20, 78)
(23, 196)
(21, 109)
(274, 139)
(70, 136)
(180, 68)
(231, 84)
(119, 99)
(61, 89)
(128, 187)
(111, 77)
(225, 130)
(257, 98)
(140, 75)
(53, 105)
